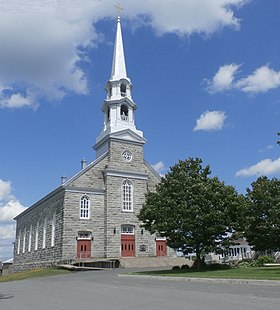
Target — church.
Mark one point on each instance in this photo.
(93, 215)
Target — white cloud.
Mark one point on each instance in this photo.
(187, 17)
(269, 147)
(260, 81)
(5, 190)
(9, 208)
(209, 121)
(223, 79)
(159, 167)
(264, 167)
(44, 42)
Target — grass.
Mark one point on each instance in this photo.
(254, 273)
(36, 273)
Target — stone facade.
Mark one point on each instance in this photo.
(101, 182)
(94, 214)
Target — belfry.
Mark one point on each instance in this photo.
(93, 214)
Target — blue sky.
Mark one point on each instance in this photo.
(206, 78)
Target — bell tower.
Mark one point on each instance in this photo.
(118, 107)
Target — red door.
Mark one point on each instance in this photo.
(84, 248)
(161, 248)
(128, 245)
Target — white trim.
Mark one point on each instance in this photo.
(85, 191)
(30, 238)
(36, 236)
(125, 174)
(53, 230)
(127, 196)
(85, 209)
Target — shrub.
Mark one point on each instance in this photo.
(217, 266)
(264, 260)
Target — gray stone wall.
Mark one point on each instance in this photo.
(38, 213)
(106, 212)
(72, 224)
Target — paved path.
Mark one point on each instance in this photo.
(104, 290)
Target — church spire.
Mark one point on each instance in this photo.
(118, 65)
(118, 107)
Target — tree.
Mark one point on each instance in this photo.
(194, 212)
(263, 214)
(278, 135)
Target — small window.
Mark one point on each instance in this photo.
(127, 195)
(127, 229)
(124, 112)
(84, 235)
(108, 114)
(123, 90)
(85, 207)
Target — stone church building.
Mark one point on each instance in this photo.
(93, 214)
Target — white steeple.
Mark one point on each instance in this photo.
(118, 107)
(118, 65)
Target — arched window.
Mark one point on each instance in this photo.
(53, 231)
(36, 236)
(84, 207)
(124, 112)
(23, 241)
(123, 90)
(108, 114)
(127, 195)
(44, 233)
(30, 238)
(19, 239)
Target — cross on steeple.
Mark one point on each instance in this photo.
(119, 9)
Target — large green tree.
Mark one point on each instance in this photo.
(263, 214)
(192, 210)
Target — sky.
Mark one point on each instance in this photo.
(206, 81)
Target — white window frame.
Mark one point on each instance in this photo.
(30, 238)
(127, 229)
(44, 234)
(85, 207)
(127, 196)
(53, 231)
(36, 236)
(23, 241)
(18, 244)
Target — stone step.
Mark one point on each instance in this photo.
(145, 262)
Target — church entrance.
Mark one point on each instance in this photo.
(127, 241)
(84, 245)
(161, 248)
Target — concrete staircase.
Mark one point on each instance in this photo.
(146, 262)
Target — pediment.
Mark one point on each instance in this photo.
(128, 135)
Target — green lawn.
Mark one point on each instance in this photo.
(256, 273)
(33, 274)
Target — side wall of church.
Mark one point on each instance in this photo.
(35, 225)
